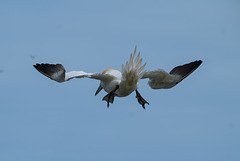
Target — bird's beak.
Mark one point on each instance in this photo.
(99, 89)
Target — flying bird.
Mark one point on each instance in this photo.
(122, 84)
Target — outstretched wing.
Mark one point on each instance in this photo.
(160, 79)
(58, 73)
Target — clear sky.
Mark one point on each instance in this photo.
(41, 120)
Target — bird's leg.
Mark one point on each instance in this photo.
(110, 96)
(141, 100)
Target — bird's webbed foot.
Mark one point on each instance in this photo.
(140, 99)
(109, 98)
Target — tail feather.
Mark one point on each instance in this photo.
(133, 70)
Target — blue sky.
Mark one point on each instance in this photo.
(40, 119)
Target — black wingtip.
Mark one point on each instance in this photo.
(35, 66)
(186, 69)
(198, 62)
(50, 69)
(38, 67)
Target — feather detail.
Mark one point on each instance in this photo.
(133, 70)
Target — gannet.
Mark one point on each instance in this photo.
(122, 84)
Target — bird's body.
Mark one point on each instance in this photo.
(125, 88)
(122, 84)
(110, 85)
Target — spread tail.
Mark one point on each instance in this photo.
(133, 70)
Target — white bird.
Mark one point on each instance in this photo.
(122, 84)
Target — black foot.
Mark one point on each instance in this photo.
(109, 98)
(141, 100)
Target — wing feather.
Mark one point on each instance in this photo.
(160, 79)
(58, 73)
(186, 69)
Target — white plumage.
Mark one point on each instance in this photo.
(121, 84)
